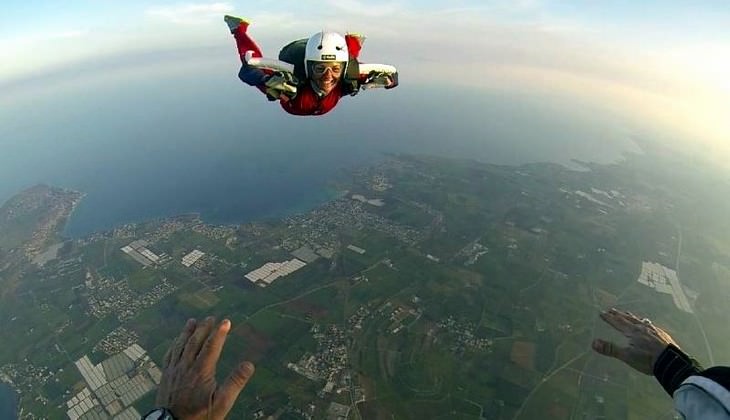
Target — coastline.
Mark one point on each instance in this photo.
(74, 205)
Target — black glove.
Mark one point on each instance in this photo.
(382, 79)
(394, 80)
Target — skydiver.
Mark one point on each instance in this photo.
(325, 68)
(698, 393)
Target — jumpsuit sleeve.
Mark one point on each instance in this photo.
(252, 76)
(699, 397)
(673, 366)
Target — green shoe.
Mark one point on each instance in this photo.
(234, 22)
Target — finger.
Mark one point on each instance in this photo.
(633, 318)
(195, 342)
(618, 321)
(627, 315)
(227, 394)
(179, 344)
(609, 349)
(623, 314)
(166, 360)
(631, 315)
(211, 351)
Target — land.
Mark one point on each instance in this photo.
(34, 217)
(432, 288)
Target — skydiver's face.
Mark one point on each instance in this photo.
(327, 75)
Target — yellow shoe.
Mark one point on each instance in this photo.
(234, 22)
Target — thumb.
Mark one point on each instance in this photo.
(610, 349)
(227, 393)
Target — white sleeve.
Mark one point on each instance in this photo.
(701, 398)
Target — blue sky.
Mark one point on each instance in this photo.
(668, 59)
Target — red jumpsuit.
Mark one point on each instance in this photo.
(307, 101)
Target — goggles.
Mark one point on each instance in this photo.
(335, 68)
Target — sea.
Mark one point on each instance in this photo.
(147, 147)
(8, 402)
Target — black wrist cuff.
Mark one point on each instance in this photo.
(159, 414)
(674, 366)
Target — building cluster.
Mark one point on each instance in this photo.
(25, 378)
(125, 231)
(139, 252)
(214, 232)
(106, 296)
(356, 320)
(472, 252)
(400, 314)
(192, 257)
(464, 336)
(665, 280)
(330, 360)
(116, 341)
(379, 182)
(168, 227)
(267, 273)
(163, 229)
(320, 228)
(113, 385)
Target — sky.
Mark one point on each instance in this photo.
(665, 61)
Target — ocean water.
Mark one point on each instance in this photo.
(8, 405)
(152, 147)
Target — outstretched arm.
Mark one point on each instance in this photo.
(273, 77)
(258, 79)
(253, 76)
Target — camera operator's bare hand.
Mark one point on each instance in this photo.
(645, 340)
(188, 387)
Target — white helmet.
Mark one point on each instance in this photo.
(325, 46)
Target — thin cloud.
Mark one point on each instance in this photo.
(27, 52)
(366, 9)
(40, 36)
(191, 13)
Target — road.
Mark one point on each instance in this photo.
(694, 313)
(546, 379)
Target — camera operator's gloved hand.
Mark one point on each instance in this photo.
(393, 81)
(281, 83)
(381, 79)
